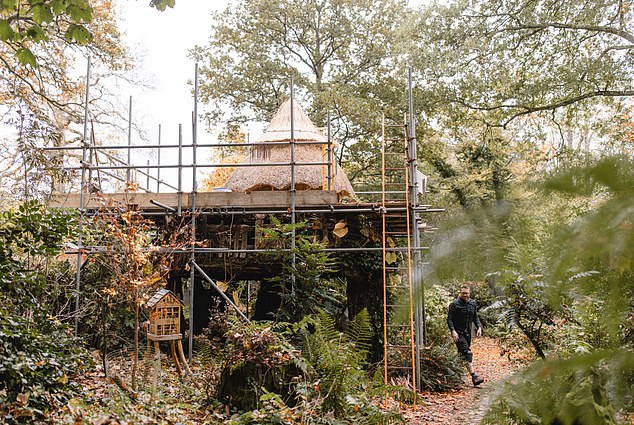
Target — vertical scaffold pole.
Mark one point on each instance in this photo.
(383, 258)
(193, 210)
(293, 193)
(180, 170)
(129, 170)
(158, 170)
(82, 189)
(413, 203)
(330, 167)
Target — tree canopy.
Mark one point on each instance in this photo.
(342, 55)
(508, 59)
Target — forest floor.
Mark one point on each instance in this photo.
(108, 404)
(468, 404)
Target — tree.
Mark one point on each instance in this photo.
(509, 59)
(136, 257)
(547, 76)
(342, 55)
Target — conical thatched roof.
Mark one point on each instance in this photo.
(247, 179)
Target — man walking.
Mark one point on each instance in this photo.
(463, 312)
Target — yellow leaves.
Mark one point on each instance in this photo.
(341, 229)
(223, 286)
(391, 257)
(112, 292)
(63, 379)
(220, 175)
(131, 187)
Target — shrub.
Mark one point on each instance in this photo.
(37, 361)
(255, 359)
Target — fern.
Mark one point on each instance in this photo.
(359, 332)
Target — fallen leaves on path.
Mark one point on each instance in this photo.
(468, 404)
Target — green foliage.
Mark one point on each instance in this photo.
(306, 269)
(26, 23)
(566, 273)
(255, 359)
(38, 361)
(38, 355)
(584, 390)
(335, 360)
(496, 60)
(342, 56)
(437, 300)
(162, 4)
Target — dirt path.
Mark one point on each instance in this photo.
(467, 405)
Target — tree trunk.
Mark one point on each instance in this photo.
(135, 362)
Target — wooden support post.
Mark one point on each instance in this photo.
(173, 351)
(185, 365)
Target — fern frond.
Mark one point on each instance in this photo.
(359, 332)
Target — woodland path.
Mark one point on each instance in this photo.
(468, 404)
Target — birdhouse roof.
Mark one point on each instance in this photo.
(160, 294)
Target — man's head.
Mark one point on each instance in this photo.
(465, 293)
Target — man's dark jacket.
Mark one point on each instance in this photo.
(461, 315)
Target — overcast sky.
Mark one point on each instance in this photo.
(162, 40)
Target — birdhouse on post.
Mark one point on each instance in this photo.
(165, 325)
(165, 316)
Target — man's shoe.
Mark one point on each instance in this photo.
(476, 379)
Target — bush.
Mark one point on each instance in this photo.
(37, 364)
(255, 359)
(441, 368)
(584, 390)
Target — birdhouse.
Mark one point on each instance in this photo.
(165, 316)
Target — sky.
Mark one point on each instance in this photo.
(161, 40)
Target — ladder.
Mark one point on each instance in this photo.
(399, 344)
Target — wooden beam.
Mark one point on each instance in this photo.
(203, 200)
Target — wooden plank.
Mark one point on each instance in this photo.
(265, 199)
(204, 200)
(153, 337)
(142, 200)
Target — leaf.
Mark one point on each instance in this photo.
(6, 32)
(162, 4)
(36, 33)
(223, 286)
(58, 6)
(22, 398)
(391, 257)
(79, 34)
(26, 57)
(63, 379)
(41, 13)
(340, 229)
(79, 13)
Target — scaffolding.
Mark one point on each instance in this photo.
(397, 208)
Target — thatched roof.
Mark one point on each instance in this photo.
(247, 179)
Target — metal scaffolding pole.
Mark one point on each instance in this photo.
(128, 171)
(293, 192)
(158, 170)
(192, 281)
(180, 170)
(199, 145)
(330, 167)
(81, 199)
(414, 217)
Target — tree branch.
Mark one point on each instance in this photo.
(594, 28)
(529, 109)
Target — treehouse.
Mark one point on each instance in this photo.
(289, 176)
